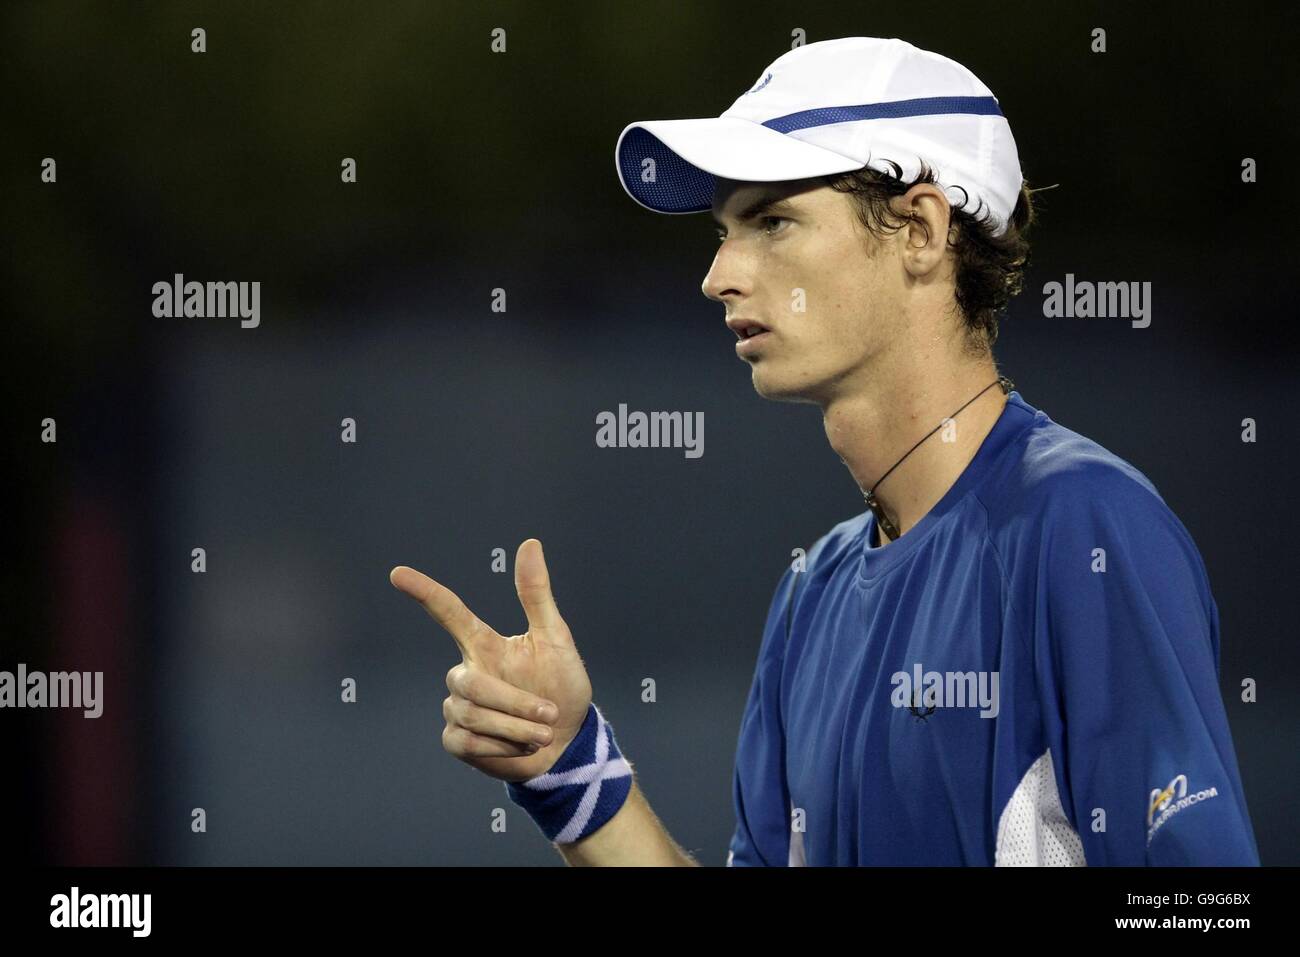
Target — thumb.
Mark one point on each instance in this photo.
(533, 583)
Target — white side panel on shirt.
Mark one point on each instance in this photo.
(1033, 830)
(796, 851)
(796, 846)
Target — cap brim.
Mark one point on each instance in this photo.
(689, 156)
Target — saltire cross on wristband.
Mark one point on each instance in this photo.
(583, 789)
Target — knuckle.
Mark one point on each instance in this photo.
(468, 715)
(467, 686)
(456, 678)
(464, 742)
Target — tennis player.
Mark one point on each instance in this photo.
(1010, 657)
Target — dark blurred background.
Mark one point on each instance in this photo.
(475, 429)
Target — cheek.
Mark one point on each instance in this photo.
(842, 298)
(836, 278)
(843, 272)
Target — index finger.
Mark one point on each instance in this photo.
(443, 606)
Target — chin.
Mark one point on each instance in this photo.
(774, 387)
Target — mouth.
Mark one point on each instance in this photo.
(750, 335)
(753, 343)
(746, 328)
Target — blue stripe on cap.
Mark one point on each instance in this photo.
(893, 109)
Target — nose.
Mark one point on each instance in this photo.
(727, 277)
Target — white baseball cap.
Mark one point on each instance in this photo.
(831, 107)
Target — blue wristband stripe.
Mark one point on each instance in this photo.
(583, 789)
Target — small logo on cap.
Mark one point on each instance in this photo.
(761, 83)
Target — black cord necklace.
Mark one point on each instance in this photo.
(884, 521)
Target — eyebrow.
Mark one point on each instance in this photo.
(765, 203)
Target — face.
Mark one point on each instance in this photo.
(794, 258)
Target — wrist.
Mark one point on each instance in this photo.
(584, 788)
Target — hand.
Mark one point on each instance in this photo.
(501, 687)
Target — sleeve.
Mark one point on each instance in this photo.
(1127, 647)
(759, 790)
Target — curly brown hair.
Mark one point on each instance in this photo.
(989, 269)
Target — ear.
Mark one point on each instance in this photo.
(925, 236)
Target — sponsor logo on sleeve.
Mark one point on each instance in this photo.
(1164, 804)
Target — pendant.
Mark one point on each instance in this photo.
(884, 521)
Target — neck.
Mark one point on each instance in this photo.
(872, 429)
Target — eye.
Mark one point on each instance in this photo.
(770, 226)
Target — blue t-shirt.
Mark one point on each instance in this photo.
(1028, 676)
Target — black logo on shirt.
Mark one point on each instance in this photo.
(918, 710)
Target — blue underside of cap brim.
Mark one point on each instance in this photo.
(676, 187)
